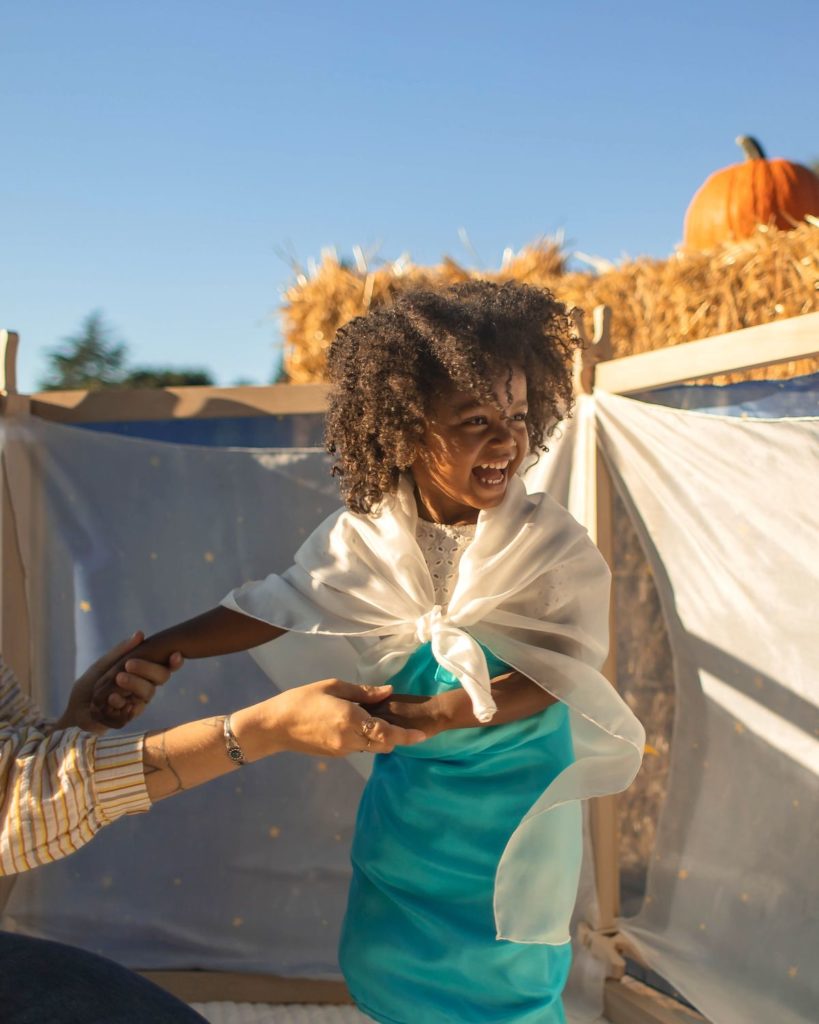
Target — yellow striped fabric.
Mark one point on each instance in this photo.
(58, 788)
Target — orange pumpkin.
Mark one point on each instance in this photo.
(733, 202)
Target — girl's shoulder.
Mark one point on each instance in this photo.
(540, 510)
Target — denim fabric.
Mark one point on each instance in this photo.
(48, 983)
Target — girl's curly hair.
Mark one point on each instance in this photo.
(386, 367)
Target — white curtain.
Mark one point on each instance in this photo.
(727, 511)
(249, 873)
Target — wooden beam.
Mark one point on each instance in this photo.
(631, 1002)
(777, 342)
(114, 404)
(626, 1002)
(226, 986)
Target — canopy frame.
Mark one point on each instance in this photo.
(627, 1001)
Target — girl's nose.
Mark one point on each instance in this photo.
(503, 435)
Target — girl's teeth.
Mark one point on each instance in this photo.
(490, 474)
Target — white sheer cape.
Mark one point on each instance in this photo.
(532, 588)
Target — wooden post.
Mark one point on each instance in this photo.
(9, 340)
(14, 620)
(595, 349)
(602, 810)
(14, 632)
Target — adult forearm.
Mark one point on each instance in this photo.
(324, 718)
(187, 756)
(58, 789)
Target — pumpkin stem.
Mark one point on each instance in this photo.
(750, 147)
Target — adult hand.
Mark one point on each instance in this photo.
(112, 705)
(329, 718)
(136, 677)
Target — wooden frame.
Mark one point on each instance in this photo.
(626, 1001)
(14, 533)
(777, 342)
(107, 406)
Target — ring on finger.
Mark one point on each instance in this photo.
(366, 728)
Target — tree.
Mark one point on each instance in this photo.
(92, 359)
(88, 360)
(161, 377)
(280, 374)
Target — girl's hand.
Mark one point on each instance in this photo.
(412, 711)
(515, 695)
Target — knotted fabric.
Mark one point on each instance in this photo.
(531, 587)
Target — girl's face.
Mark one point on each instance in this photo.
(470, 450)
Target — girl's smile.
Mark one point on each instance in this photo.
(470, 449)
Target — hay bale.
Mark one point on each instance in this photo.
(655, 303)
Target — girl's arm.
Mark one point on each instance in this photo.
(218, 631)
(515, 696)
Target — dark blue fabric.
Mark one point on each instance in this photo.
(49, 983)
(760, 399)
(300, 430)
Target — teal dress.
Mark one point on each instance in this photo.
(418, 944)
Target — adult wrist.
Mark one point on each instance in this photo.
(258, 731)
(233, 748)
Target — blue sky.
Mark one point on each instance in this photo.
(160, 157)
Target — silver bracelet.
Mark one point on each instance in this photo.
(234, 751)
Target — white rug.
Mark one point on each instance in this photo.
(262, 1013)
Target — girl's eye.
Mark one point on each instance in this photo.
(475, 421)
(520, 417)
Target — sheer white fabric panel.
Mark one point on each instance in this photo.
(249, 873)
(727, 510)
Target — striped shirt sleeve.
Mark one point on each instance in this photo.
(58, 788)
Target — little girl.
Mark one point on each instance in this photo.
(487, 610)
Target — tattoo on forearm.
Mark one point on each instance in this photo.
(156, 759)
